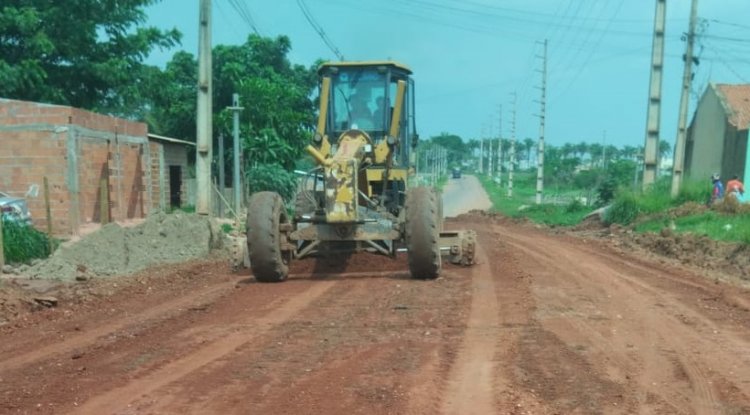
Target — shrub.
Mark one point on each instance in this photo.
(606, 191)
(272, 177)
(624, 209)
(22, 243)
(574, 206)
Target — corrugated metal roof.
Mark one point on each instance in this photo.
(170, 139)
(737, 101)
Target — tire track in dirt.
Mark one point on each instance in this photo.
(678, 360)
(118, 399)
(161, 311)
(371, 345)
(470, 382)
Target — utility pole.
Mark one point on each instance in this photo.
(651, 149)
(499, 161)
(236, 183)
(512, 167)
(490, 159)
(542, 120)
(222, 172)
(204, 113)
(687, 76)
(481, 151)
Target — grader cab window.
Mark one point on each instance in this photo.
(359, 100)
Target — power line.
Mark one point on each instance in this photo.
(319, 29)
(244, 12)
(583, 66)
(730, 24)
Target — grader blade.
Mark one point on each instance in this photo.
(458, 246)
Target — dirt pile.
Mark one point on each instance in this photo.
(114, 250)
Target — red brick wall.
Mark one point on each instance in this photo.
(33, 144)
(26, 157)
(93, 166)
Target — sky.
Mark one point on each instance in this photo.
(470, 57)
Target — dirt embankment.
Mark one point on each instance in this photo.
(114, 250)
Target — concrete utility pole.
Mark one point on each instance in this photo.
(651, 149)
(542, 120)
(687, 77)
(222, 173)
(204, 113)
(512, 167)
(499, 161)
(236, 183)
(481, 151)
(490, 159)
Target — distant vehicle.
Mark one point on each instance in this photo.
(456, 173)
(14, 209)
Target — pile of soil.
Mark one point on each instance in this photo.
(114, 250)
(732, 259)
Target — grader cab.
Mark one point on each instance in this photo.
(359, 196)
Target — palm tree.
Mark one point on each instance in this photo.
(595, 149)
(529, 145)
(568, 150)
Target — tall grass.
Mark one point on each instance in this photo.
(657, 198)
(22, 243)
(521, 205)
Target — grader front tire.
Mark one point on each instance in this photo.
(422, 233)
(266, 216)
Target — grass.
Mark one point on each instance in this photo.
(723, 224)
(183, 209)
(521, 205)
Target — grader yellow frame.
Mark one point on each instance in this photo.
(359, 196)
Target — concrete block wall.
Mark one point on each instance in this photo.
(75, 149)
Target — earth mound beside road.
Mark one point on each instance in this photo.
(114, 250)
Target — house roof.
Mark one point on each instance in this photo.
(169, 140)
(736, 100)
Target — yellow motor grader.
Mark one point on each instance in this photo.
(359, 197)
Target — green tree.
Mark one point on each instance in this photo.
(84, 53)
(457, 149)
(174, 98)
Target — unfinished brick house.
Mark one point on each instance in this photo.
(76, 151)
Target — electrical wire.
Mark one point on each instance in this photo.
(244, 12)
(310, 19)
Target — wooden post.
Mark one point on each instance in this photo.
(49, 213)
(104, 200)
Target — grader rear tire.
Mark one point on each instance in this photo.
(422, 233)
(265, 215)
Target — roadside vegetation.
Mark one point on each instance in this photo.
(582, 178)
(22, 243)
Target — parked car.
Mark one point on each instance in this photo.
(14, 208)
(456, 173)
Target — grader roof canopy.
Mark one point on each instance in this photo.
(392, 64)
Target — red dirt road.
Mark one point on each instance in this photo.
(543, 324)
